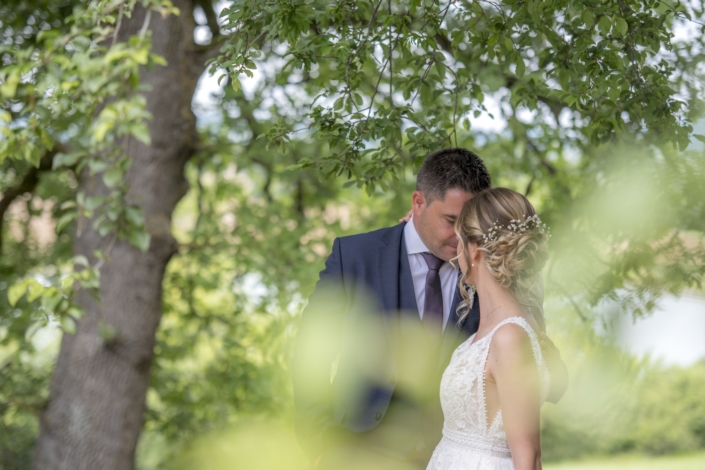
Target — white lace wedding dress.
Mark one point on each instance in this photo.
(469, 441)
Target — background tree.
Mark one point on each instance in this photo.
(79, 89)
(98, 133)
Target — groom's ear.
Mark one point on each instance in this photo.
(418, 202)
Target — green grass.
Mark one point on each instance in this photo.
(683, 462)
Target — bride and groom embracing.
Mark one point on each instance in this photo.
(423, 344)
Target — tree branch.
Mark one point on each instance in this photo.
(268, 181)
(211, 17)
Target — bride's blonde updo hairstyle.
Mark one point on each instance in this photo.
(505, 226)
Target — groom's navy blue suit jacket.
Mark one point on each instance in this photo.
(346, 365)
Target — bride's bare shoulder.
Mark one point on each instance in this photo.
(511, 343)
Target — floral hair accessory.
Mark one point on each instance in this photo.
(517, 226)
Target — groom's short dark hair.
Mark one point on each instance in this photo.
(453, 168)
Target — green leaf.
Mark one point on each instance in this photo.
(51, 299)
(492, 40)
(295, 167)
(32, 155)
(101, 129)
(113, 177)
(93, 202)
(508, 43)
(47, 34)
(96, 165)
(46, 139)
(613, 93)
(604, 25)
(134, 79)
(113, 213)
(700, 137)
(68, 324)
(16, 291)
(105, 228)
(141, 133)
(65, 220)
(521, 67)
(588, 18)
(35, 290)
(76, 312)
(80, 260)
(135, 216)
(621, 26)
(141, 56)
(9, 88)
(66, 159)
(157, 59)
(140, 239)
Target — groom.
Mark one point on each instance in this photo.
(380, 328)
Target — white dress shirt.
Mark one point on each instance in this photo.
(419, 268)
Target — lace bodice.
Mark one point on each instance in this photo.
(467, 430)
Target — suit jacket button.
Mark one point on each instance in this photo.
(392, 379)
(378, 416)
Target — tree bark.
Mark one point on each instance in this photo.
(97, 397)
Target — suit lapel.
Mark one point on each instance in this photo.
(407, 295)
(388, 269)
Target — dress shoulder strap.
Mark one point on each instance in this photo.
(535, 346)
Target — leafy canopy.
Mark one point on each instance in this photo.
(387, 79)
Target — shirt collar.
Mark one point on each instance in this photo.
(413, 242)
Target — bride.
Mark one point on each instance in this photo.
(496, 382)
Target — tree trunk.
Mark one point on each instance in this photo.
(97, 397)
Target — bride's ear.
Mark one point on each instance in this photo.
(474, 253)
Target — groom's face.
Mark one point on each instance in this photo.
(435, 221)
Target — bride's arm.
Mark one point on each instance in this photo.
(513, 367)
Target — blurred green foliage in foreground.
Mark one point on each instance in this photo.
(616, 405)
(636, 409)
